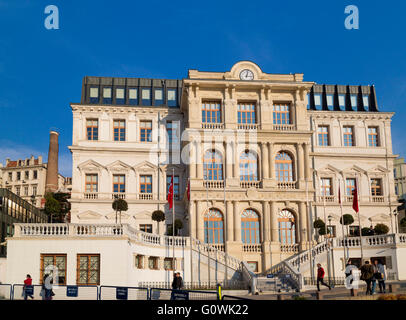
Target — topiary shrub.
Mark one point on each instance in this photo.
(348, 219)
(381, 228)
(366, 231)
(158, 216)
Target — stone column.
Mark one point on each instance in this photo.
(265, 161)
(236, 161)
(307, 162)
(199, 222)
(237, 223)
(274, 223)
(265, 221)
(229, 162)
(199, 160)
(192, 219)
(300, 162)
(230, 221)
(192, 160)
(271, 161)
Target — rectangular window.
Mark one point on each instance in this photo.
(373, 140)
(91, 183)
(159, 97)
(26, 175)
(331, 231)
(146, 228)
(120, 96)
(107, 95)
(26, 190)
(119, 130)
(35, 174)
(119, 183)
(138, 261)
(146, 184)
(168, 264)
(376, 187)
(10, 176)
(133, 96)
(175, 186)
(34, 190)
(365, 100)
(50, 261)
(17, 191)
(281, 114)
(354, 101)
(18, 176)
(88, 269)
(348, 137)
(246, 113)
(317, 101)
(92, 129)
(172, 128)
(153, 263)
(354, 232)
(350, 186)
(94, 95)
(330, 101)
(211, 112)
(326, 187)
(308, 101)
(172, 100)
(146, 131)
(146, 97)
(341, 101)
(323, 136)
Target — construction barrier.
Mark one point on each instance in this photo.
(169, 294)
(61, 292)
(6, 291)
(123, 293)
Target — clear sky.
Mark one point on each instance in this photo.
(41, 70)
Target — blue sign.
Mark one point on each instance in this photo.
(122, 293)
(29, 290)
(179, 295)
(71, 291)
(270, 276)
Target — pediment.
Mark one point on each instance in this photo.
(91, 165)
(118, 166)
(329, 169)
(355, 169)
(112, 216)
(380, 217)
(89, 215)
(378, 169)
(145, 166)
(143, 215)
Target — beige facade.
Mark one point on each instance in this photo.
(262, 176)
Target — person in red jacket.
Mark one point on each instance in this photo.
(27, 282)
(320, 277)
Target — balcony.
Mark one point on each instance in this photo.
(145, 196)
(378, 199)
(291, 185)
(252, 248)
(117, 195)
(212, 126)
(214, 184)
(248, 126)
(327, 199)
(250, 184)
(290, 248)
(284, 127)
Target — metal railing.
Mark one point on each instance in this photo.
(60, 291)
(167, 294)
(6, 291)
(202, 285)
(123, 293)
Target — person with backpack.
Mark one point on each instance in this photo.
(367, 274)
(320, 277)
(381, 275)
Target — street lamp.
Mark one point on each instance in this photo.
(32, 199)
(329, 223)
(395, 213)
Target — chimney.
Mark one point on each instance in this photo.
(51, 182)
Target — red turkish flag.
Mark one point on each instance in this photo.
(355, 198)
(170, 194)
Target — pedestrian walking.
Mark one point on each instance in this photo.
(348, 271)
(177, 282)
(367, 273)
(375, 277)
(46, 290)
(381, 276)
(320, 277)
(27, 286)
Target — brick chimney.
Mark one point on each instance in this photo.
(51, 182)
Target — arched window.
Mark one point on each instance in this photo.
(248, 166)
(250, 227)
(214, 227)
(284, 167)
(213, 165)
(287, 227)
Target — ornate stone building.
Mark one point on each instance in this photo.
(264, 154)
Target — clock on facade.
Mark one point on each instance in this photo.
(246, 75)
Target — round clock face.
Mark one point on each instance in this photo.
(246, 75)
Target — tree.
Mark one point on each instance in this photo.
(119, 205)
(381, 228)
(52, 206)
(348, 219)
(63, 197)
(366, 231)
(321, 226)
(158, 216)
(403, 223)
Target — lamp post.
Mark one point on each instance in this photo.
(395, 213)
(329, 249)
(33, 200)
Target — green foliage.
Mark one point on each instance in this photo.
(403, 223)
(299, 298)
(348, 219)
(318, 224)
(52, 206)
(158, 216)
(381, 228)
(120, 205)
(366, 231)
(178, 226)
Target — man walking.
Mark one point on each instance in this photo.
(27, 287)
(381, 276)
(367, 273)
(320, 277)
(177, 283)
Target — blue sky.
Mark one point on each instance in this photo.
(41, 70)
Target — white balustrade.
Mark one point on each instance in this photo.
(248, 126)
(214, 184)
(250, 184)
(212, 126)
(256, 248)
(284, 127)
(290, 248)
(286, 185)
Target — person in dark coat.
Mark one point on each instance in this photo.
(367, 274)
(177, 282)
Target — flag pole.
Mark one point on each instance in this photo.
(173, 217)
(359, 218)
(342, 219)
